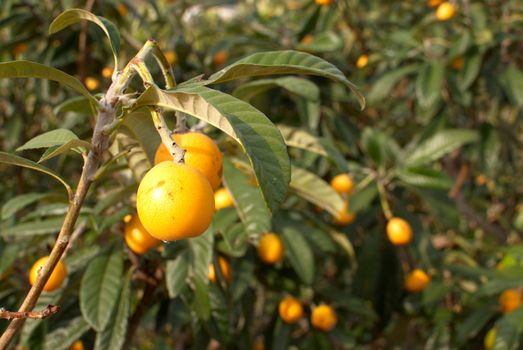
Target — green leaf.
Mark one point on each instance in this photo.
(77, 104)
(438, 145)
(323, 42)
(12, 159)
(34, 228)
(512, 82)
(27, 69)
(298, 138)
(52, 138)
(297, 86)
(200, 253)
(470, 71)
(72, 16)
(248, 200)
(79, 146)
(429, 83)
(100, 287)
(509, 330)
(19, 202)
(425, 177)
(382, 87)
(140, 124)
(63, 337)
(283, 62)
(113, 336)
(297, 249)
(176, 272)
(314, 189)
(473, 324)
(260, 139)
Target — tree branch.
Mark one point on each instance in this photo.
(49, 310)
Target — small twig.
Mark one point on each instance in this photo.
(383, 200)
(460, 180)
(199, 126)
(176, 151)
(49, 310)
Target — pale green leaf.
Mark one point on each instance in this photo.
(79, 146)
(315, 190)
(51, 138)
(438, 145)
(27, 69)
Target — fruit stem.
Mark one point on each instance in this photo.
(383, 200)
(181, 125)
(176, 151)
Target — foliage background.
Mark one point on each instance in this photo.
(429, 130)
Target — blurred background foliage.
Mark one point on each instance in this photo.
(440, 142)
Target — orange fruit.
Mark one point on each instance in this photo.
(175, 201)
(171, 57)
(225, 269)
(457, 62)
(481, 180)
(399, 231)
(345, 217)
(57, 277)
(416, 281)
(490, 339)
(201, 152)
(91, 83)
(324, 318)
(445, 11)
(290, 309)
(258, 344)
(219, 58)
(323, 2)
(307, 39)
(270, 248)
(107, 72)
(342, 184)
(362, 61)
(20, 49)
(509, 300)
(223, 199)
(77, 345)
(434, 3)
(122, 9)
(137, 237)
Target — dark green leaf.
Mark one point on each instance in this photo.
(283, 62)
(429, 83)
(176, 272)
(72, 16)
(52, 138)
(100, 287)
(12, 159)
(248, 200)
